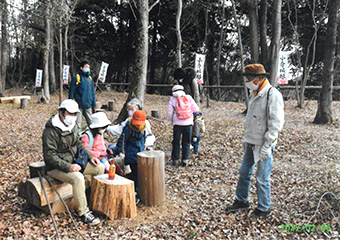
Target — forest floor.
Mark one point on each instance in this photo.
(305, 178)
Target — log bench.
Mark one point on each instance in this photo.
(14, 99)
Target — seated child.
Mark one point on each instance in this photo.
(134, 136)
(93, 139)
(197, 131)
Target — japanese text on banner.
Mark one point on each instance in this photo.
(38, 78)
(103, 71)
(199, 67)
(66, 69)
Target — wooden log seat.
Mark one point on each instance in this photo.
(114, 198)
(14, 99)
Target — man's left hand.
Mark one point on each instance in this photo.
(265, 152)
(95, 161)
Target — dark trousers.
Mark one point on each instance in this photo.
(181, 133)
(195, 144)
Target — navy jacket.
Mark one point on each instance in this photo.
(134, 142)
(83, 92)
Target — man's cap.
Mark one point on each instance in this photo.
(177, 88)
(138, 118)
(254, 69)
(70, 105)
(99, 120)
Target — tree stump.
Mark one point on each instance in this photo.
(23, 103)
(111, 105)
(151, 177)
(35, 167)
(114, 198)
(155, 113)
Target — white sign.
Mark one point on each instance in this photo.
(103, 71)
(66, 69)
(283, 71)
(38, 78)
(199, 67)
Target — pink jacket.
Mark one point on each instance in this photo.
(172, 113)
(98, 147)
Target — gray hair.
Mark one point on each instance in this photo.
(134, 102)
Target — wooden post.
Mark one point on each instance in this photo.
(23, 103)
(156, 113)
(114, 198)
(111, 105)
(151, 177)
(35, 167)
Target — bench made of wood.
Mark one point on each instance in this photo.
(14, 99)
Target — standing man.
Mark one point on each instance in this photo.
(60, 143)
(83, 92)
(264, 120)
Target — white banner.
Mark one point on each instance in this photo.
(283, 71)
(38, 78)
(199, 67)
(66, 69)
(103, 71)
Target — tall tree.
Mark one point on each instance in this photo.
(220, 45)
(4, 47)
(178, 33)
(324, 112)
(253, 32)
(46, 89)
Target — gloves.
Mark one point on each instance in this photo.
(93, 110)
(194, 139)
(122, 155)
(265, 152)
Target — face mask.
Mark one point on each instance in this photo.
(252, 86)
(86, 70)
(70, 120)
(130, 112)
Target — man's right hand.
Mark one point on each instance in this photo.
(75, 168)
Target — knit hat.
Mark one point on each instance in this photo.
(254, 69)
(197, 114)
(99, 120)
(70, 105)
(177, 88)
(138, 118)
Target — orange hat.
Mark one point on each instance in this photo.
(254, 69)
(138, 118)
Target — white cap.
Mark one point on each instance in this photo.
(99, 119)
(177, 87)
(70, 105)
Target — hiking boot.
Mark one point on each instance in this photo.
(88, 218)
(185, 162)
(259, 213)
(238, 205)
(175, 163)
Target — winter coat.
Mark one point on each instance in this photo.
(197, 128)
(83, 92)
(56, 152)
(134, 142)
(172, 110)
(264, 119)
(98, 146)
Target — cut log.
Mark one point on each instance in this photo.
(23, 103)
(35, 167)
(32, 191)
(111, 105)
(114, 198)
(155, 113)
(151, 177)
(14, 99)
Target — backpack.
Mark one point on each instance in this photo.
(183, 108)
(78, 79)
(89, 133)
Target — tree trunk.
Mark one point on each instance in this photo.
(178, 32)
(253, 33)
(138, 79)
(263, 33)
(4, 48)
(219, 50)
(275, 42)
(324, 112)
(46, 90)
(53, 82)
(60, 62)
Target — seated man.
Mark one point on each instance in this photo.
(60, 143)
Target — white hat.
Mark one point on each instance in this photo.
(177, 87)
(70, 105)
(99, 119)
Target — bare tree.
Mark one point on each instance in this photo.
(219, 50)
(46, 89)
(263, 32)
(4, 48)
(253, 31)
(324, 112)
(178, 32)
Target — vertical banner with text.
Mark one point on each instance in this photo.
(199, 67)
(66, 69)
(283, 70)
(103, 71)
(38, 78)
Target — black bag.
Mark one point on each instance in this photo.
(81, 158)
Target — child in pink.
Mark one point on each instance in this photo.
(93, 139)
